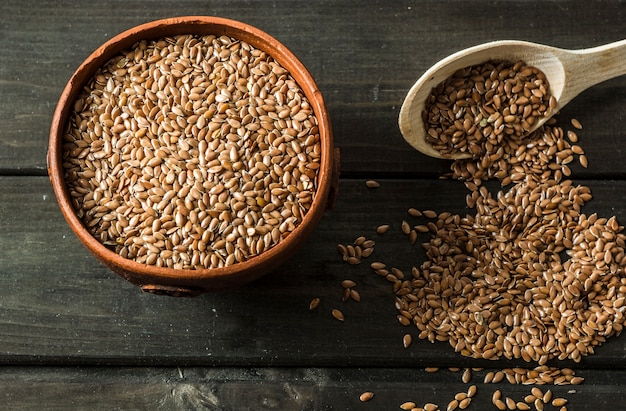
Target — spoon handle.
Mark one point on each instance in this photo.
(587, 67)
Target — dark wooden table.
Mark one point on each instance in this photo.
(74, 335)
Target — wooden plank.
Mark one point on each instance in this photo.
(58, 305)
(284, 389)
(364, 57)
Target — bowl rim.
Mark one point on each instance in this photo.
(201, 25)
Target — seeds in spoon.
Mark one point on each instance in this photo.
(479, 108)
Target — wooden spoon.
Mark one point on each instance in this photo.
(569, 72)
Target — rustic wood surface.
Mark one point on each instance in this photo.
(73, 335)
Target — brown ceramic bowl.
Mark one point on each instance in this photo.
(171, 281)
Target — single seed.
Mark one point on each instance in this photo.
(414, 212)
(337, 314)
(576, 380)
(471, 391)
(315, 302)
(460, 396)
(465, 403)
(348, 284)
(382, 229)
(406, 228)
(409, 405)
(406, 340)
(372, 184)
(499, 404)
(452, 405)
(467, 375)
(366, 396)
(510, 403)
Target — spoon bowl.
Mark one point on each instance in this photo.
(569, 72)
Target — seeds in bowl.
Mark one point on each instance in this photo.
(192, 152)
(481, 107)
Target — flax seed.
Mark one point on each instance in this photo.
(315, 302)
(366, 396)
(471, 391)
(382, 229)
(409, 405)
(465, 403)
(406, 340)
(337, 314)
(467, 375)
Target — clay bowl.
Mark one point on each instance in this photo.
(188, 282)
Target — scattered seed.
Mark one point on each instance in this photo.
(366, 396)
(500, 405)
(576, 124)
(337, 314)
(377, 265)
(406, 228)
(471, 391)
(348, 284)
(353, 260)
(547, 397)
(510, 403)
(467, 375)
(382, 229)
(314, 303)
(413, 212)
(406, 340)
(408, 405)
(372, 184)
